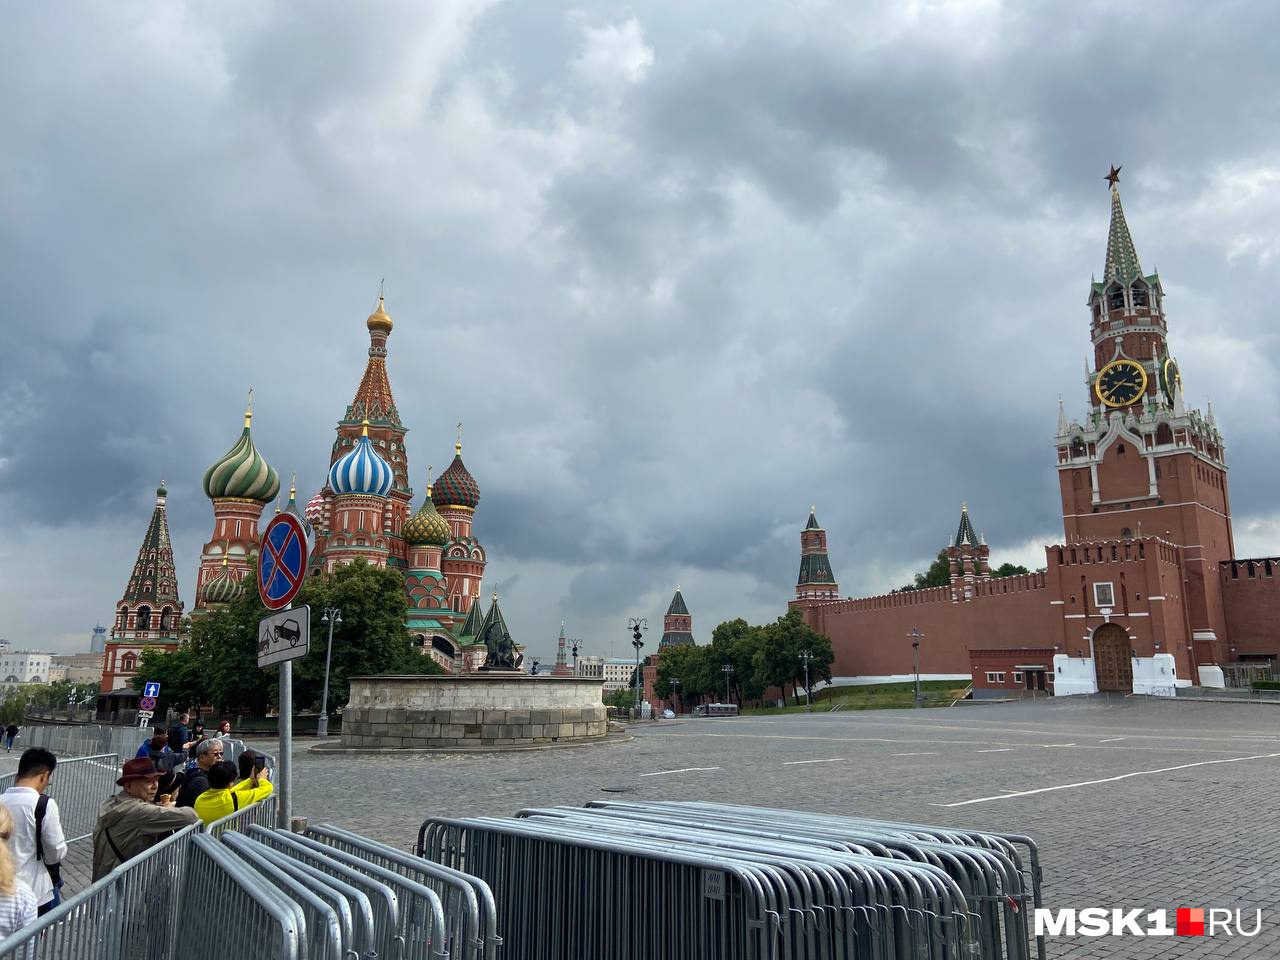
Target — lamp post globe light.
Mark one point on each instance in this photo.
(805, 657)
(573, 648)
(727, 670)
(916, 636)
(638, 625)
(332, 616)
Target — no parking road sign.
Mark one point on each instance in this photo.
(282, 562)
(147, 704)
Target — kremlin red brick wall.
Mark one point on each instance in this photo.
(1251, 598)
(869, 634)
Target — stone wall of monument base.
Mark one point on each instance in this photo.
(474, 711)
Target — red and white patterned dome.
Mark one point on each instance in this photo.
(314, 510)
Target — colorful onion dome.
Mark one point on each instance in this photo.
(314, 510)
(456, 487)
(224, 588)
(379, 319)
(361, 470)
(242, 472)
(427, 526)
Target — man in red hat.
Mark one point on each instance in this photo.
(130, 821)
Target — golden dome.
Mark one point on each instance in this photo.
(379, 319)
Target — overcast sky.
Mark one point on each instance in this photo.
(682, 269)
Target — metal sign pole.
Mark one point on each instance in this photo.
(284, 805)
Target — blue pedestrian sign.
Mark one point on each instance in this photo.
(282, 562)
(151, 689)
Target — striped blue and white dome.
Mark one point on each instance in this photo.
(361, 470)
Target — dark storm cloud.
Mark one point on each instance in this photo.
(681, 270)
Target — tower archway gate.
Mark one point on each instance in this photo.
(1113, 658)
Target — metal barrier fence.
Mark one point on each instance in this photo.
(263, 812)
(471, 916)
(79, 785)
(418, 929)
(127, 915)
(226, 911)
(741, 882)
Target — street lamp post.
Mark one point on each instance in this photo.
(727, 670)
(916, 636)
(534, 671)
(573, 647)
(331, 616)
(675, 686)
(638, 625)
(805, 657)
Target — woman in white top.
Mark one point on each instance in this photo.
(17, 902)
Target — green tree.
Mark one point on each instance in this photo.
(938, 574)
(372, 638)
(779, 658)
(219, 664)
(1009, 570)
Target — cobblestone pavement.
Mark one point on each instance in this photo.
(1140, 803)
(1134, 803)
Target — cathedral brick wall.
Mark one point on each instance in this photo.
(1251, 598)
(869, 634)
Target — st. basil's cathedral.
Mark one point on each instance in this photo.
(363, 511)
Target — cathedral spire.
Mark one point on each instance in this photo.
(1122, 259)
(373, 399)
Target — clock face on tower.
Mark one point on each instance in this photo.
(1170, 377)
(1120, 383)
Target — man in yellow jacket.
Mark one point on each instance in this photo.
(222, 799)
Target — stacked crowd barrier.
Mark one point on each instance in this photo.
(675, 880)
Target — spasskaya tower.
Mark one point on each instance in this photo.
(1141, 463)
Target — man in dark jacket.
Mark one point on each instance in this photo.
(180, 735)
(197, 782)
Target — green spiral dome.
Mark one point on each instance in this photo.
(224, 588)
(242, 473)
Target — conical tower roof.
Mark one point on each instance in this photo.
(471, 626)
(813, 520)
(154, 580)
(494, 616)
(965, 534)
(373, 400)
(678, 607)
(1122, 258)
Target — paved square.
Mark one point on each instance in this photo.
(1134, 803)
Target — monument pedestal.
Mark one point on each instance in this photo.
(489, 709)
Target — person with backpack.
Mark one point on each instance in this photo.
(37, 841)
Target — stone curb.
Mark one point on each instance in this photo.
(338, 748)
